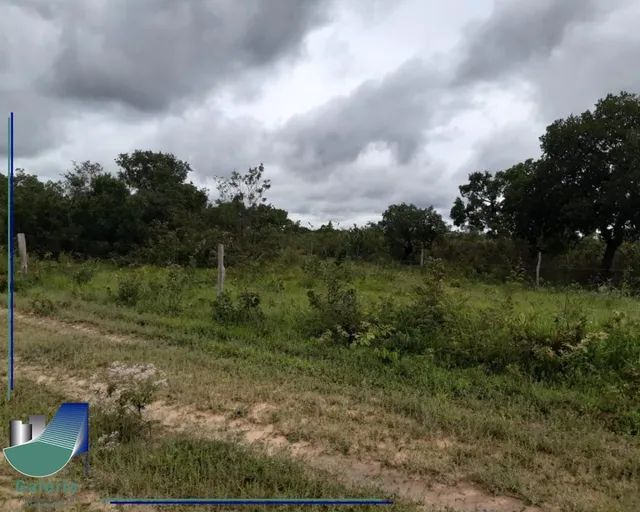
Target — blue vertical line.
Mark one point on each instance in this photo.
(10, 254)
(8, 258)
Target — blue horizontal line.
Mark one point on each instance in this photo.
(233, 501)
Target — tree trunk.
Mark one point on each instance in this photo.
(607, 258)
(408, 250)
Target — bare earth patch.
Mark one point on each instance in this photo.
(51, 324)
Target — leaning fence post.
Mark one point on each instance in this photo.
(22, 249)
(220, 287)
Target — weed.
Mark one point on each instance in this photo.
(129, 290)
(244, 309)
(83, 274)
(123, 396)
(41, 305)
(336, 314)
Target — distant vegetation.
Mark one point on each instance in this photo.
(577, 204)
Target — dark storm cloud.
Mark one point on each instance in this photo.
(24, 39)
(567, 53)
(570, 82)
(35, 124)
(393, 111)
(150, 53)
(518, 31)
(161, 74)
(61, 60)
(504, 147)
(571, 52)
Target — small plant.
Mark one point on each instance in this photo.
(246, 308)
(336, 311)
(175, 284)
(122, 397)
(249, 300)
(129, 290)
(83, 275)
(224, 310)
(41, 305)
(275, 284)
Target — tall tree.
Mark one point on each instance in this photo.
(595, 159)
(40, 211)
(248, 188)
(479, 208)
(407, 229)
(101, 218)
(161, 194)
(243, 196)
(531, 207)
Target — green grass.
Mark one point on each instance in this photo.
(165, 465)
(555, 441)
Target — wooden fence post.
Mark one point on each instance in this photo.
(538, 268)
(422, 257)
(22, 249)
(220, 287)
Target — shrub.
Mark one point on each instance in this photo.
(122, 394)
(336, 314)
(171, 294)
(244, 309)
(417, 326)
(129, 290)
(224, 310)
(83, 274)
(41, 305)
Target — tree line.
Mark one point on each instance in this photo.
(586, 183)
(585, 186)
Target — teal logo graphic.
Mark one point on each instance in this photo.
(38, 449)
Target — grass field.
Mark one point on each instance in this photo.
(458, 395)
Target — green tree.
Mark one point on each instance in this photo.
(407, 229)
(146, 170)
(531, 205)
(40, 211)
(480, 206)
(102, 220)
(594, 162)
(160, 193)
(242, 210)
(248, 188)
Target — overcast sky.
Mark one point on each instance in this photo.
(351, 105)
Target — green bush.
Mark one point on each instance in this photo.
(336, 313)
(414, 327)
(41, 305)
(129, 290)
(171, 295)
(122, 399)
(83, 274)
(244, 309)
